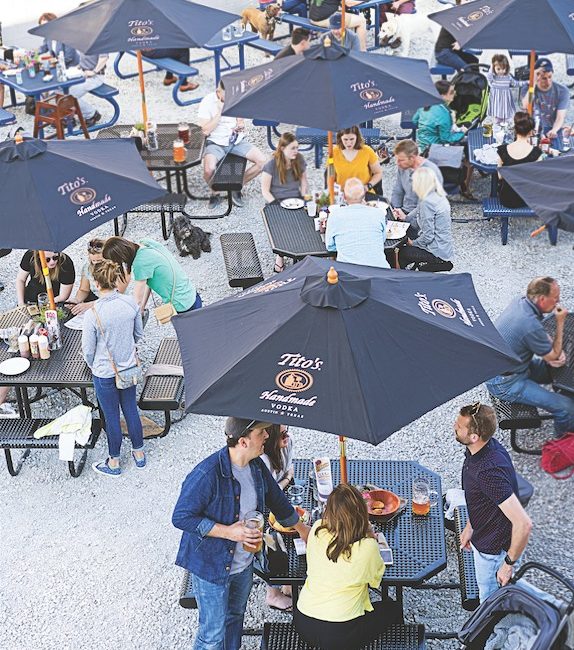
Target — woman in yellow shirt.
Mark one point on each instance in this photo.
(352, 158)
(334, 611)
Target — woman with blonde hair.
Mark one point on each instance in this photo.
(110, 333)
(284, 177)
(30, 281)
(334, 611)
(430, 244)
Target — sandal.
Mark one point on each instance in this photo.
(278, 268)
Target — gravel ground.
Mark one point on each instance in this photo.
(90, 563)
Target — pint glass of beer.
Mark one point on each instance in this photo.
(423, 497)
(254, 520)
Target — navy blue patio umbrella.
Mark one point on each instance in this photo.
(547, 189)
(541, 25)
(353, 350)
(330, 88)
(119, 25)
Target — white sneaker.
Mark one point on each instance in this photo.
(8, 411)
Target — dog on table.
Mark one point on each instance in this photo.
(262, 21)
(398, 31)
(190, 239)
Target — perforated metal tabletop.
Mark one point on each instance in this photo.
(418, 543)
(563, 378)
(292, 232)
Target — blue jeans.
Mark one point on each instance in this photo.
(221, 611)
(527, 390)
(456, 60)
(110, 399)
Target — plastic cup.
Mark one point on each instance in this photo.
(254, 520)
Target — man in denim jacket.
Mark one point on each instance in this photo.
(210, 510)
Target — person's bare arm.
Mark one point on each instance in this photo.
(558, 124)
(304, 184)
(521, 527)
(21, 278)
(560, 313)
(65, 292)
(141, 293)
(237, 532)
(466, 536)
(207, 126)
(266, 187)
(376, 172)
(100, 65)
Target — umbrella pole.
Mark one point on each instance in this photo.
(343, 458)
(531, 82)
(142, 88)
(330, 168)
(47, 280)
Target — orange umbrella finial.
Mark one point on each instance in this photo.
(332, 276)
(327, 41)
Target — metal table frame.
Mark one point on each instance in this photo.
(35, 87)
(418, 543)
(217, 45)
(563, 378)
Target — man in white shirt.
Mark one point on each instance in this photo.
(225, 135)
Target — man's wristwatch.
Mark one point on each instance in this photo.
(508, 561)
(369, 186)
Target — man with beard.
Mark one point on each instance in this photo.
(498, 528)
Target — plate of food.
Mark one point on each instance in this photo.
(10, 72)
(381, 503)
(303, 516)
(397, 229)
(292, 204)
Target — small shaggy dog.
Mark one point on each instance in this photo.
(262, 21)
(190, 239)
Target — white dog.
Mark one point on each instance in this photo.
(398, 31)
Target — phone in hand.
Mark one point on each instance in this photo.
(385, 550)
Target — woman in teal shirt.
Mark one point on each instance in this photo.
(434, 123)
(153, 267)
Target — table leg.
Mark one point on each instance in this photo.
(241, 56)
(217, 62)
(294, 595)
(12, 97)
(494, 185)
(20, 401)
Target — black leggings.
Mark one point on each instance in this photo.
(413, 254)
(348, 635)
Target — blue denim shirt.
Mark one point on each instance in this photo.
(210, 495)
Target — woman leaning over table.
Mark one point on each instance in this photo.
(334, 611)
(353, 158)
(153, 267)
(110, 332)
(30, 281)
(430, 224)
(284, 177)
(87, 291)
(278, 456)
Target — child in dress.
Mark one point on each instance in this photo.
(501, 105)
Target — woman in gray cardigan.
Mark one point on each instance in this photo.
(431, 248)
(110, 331)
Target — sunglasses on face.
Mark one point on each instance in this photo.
(53, 258)
(95, 249)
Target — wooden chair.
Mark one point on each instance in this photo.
(56, 110)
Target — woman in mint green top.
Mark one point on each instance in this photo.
(434, 123)
(153, 267)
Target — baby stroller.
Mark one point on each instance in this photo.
(472, 91)
(549, 624)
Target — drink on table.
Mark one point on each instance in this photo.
(487, 127)
(179, 152)
(423, 497)
(42, 300)
(322, 467)
(254, 520)
(183, 132)
(151, 136)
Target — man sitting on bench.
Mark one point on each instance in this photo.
(321, 10)
(177, 54)
(300, 41)
(520, 325)
(225, 135)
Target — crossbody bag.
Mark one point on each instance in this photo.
(124, 378)
(164, 312)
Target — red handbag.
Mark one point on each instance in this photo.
(558, 455)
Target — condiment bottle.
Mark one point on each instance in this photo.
(23, 346)
(43, 347)
(34, 349)
(545, 144)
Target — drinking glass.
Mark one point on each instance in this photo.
(42, 300)
(423, 497)
(487, 127)
(239, 29)
(296, 493)
(226, 34)
(10, 337)
(254, 520)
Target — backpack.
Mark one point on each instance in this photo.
(472, 92)
(558, 455)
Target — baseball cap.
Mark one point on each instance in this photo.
(239, 427)
(335, 21)
(544, 64)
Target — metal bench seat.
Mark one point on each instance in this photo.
(163, 392)
(241, 260)
(165, 206)
(228, 177)
(513, 416)
(493, 208)
(468, 584)
(181, 70)
(282, 636)
(262, 44)
(17, 433)
(109, 93)
(6, 117)
(186, 597)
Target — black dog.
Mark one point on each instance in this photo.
(190, 239)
